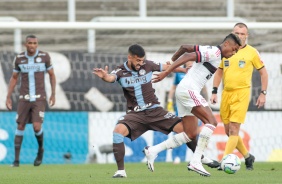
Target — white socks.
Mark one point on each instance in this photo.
(203, 141)
(170, 143)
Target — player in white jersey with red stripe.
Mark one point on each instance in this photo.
(208, 58)
(190, 103)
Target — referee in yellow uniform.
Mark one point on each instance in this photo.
(237, 76)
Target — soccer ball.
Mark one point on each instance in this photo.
(230, 163)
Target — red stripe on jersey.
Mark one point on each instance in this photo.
(198, 58)
(217, 53)
(193, 96)
(196, 47)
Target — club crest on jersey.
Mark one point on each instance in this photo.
(226, 63)
(242, 64)
(142, 72)
(38, 60)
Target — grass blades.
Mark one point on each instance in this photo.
(264, 173)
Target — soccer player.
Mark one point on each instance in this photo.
(171, 107)
(236, 73)
(31, 66)
(143, 108)
(190, 103)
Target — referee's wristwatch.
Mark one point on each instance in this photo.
(264, 92)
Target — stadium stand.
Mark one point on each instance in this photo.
(117, 41)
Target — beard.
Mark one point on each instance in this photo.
(134, 67)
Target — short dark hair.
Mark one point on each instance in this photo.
(233, 37)
(30, 36)
(241, 24)
(137, 50)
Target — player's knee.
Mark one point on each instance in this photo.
(117, 138)
(121, 129)
(192, 135)
(36, 128)
(233, 132)
(21, 126)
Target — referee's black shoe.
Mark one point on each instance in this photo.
(249, 162)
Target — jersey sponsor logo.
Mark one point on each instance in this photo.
(142, 72)
(27, 97)
(41, 54)
(141, 108)
(169, 115)
(136, 80)
(226, 63)
(27, 68)
(242, 64)
(209, 76)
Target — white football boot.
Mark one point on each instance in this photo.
(120, 174)
(150, 158)
(198, 168)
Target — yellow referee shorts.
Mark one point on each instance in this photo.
(234, 105)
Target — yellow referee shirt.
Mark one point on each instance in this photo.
(238, 70)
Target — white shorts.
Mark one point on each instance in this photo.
(186, 100)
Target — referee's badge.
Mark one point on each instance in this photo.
(242, 64)
(226, 63)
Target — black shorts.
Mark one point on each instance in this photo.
(156, 119)
(29, 112)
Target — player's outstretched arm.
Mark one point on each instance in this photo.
(178, 69)
(103, 74)
(180, 61)
(182, 50)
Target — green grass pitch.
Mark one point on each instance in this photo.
(264, 173)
